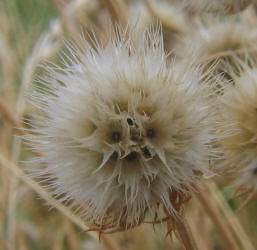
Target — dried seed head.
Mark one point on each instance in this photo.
(221, 46)
(122, 131)
(238, 113)
(217, 6)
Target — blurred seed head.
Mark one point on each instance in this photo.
(221, 46)
(218, 6)
(239, 112)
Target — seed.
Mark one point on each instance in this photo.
(147, 153)
(130, 122)
(116, 136)
(132, 156)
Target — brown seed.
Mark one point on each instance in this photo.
(147, 154)
(132, 156)
(130, 122)
(116, 136)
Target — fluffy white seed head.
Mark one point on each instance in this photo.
(121, 131)
(239, 111)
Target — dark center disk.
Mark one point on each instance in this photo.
(130, 122)
(147, 153)
(255, 171)
(116, 136)
(150, 133)
(114, 156)
(132, 156)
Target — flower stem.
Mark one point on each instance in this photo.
(221, 225)
(182, 231)
(185, 234)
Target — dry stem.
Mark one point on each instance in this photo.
(234, 225)
(69, 22)
(117, 11)
(38, 53)
(180, 226)
(213, 211)
(7, 114)
(168, 23)
(252, 197)
(185, 234)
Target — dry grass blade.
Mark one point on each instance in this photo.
(213, 211)
(117, 11)
(167, 22)
(186, 234)
(231, 218)
(252, 197)
(107, 241)
(69, 22)
(7, 114)
(37, 188)
(40, 52)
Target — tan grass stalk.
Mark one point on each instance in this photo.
(117, 11)
(107, 241)
(40, 51)
(214, 213)
(72, 237)
(69, 22)
(9, 117)
(59, 239)
(20, 106)
(90, 27)
(234, 225)
(3, 243)
(198, 227)
(23, 239)
(168, 23)
(252, 197)
(185, 234)
(182, 231)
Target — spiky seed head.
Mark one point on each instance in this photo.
(122, 131)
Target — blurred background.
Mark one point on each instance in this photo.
(33, 32)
